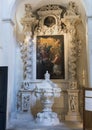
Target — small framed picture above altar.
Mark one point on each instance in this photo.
(50, 56)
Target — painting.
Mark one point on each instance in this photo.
(50, 56)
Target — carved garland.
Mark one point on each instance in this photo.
(50, 11)
(52, 20)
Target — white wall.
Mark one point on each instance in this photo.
(7, 53)
(89, 49)
(88, 7)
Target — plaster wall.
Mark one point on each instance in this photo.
(82, 66)
(88, 4)
(89, 46)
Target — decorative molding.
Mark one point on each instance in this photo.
(74, 44)
(26, 50)
(23, 101)
(50, 11)
(50, 20)
(8, 20)
(72, 9)
(26, 102)
(89, 17)
(73, 112)
(29, 20)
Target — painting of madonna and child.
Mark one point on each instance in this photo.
(50, 56)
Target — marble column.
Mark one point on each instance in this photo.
(73, 112)
(24, 95)
(74, 46)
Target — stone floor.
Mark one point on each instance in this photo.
(33, 126)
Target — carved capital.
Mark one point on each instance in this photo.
(71, 23)
(50, 20)
(74, 44)
(72, 9)
(29, 20)
(72, 85)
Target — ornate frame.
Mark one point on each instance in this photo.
(52, 28)
(50, 56)
(63, 22)
(53, 20)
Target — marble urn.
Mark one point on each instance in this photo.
(47, 91)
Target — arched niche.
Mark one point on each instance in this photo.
(10, 109)
(63, 26)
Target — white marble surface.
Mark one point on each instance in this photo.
(18, 125)
(47, 91)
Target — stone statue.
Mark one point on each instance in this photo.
(28, 11)
(71, 9)
(47, 76)
(73, 103)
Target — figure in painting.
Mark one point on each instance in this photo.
(57, 65)
(50, 55)
(44, 62)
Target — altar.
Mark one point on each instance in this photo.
(47, 41)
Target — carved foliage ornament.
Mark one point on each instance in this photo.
(49, 23)
(29, 20)
(72, 9)
(50, 20)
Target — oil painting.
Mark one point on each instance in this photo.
(50, 56)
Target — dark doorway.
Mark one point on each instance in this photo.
(3, 96)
